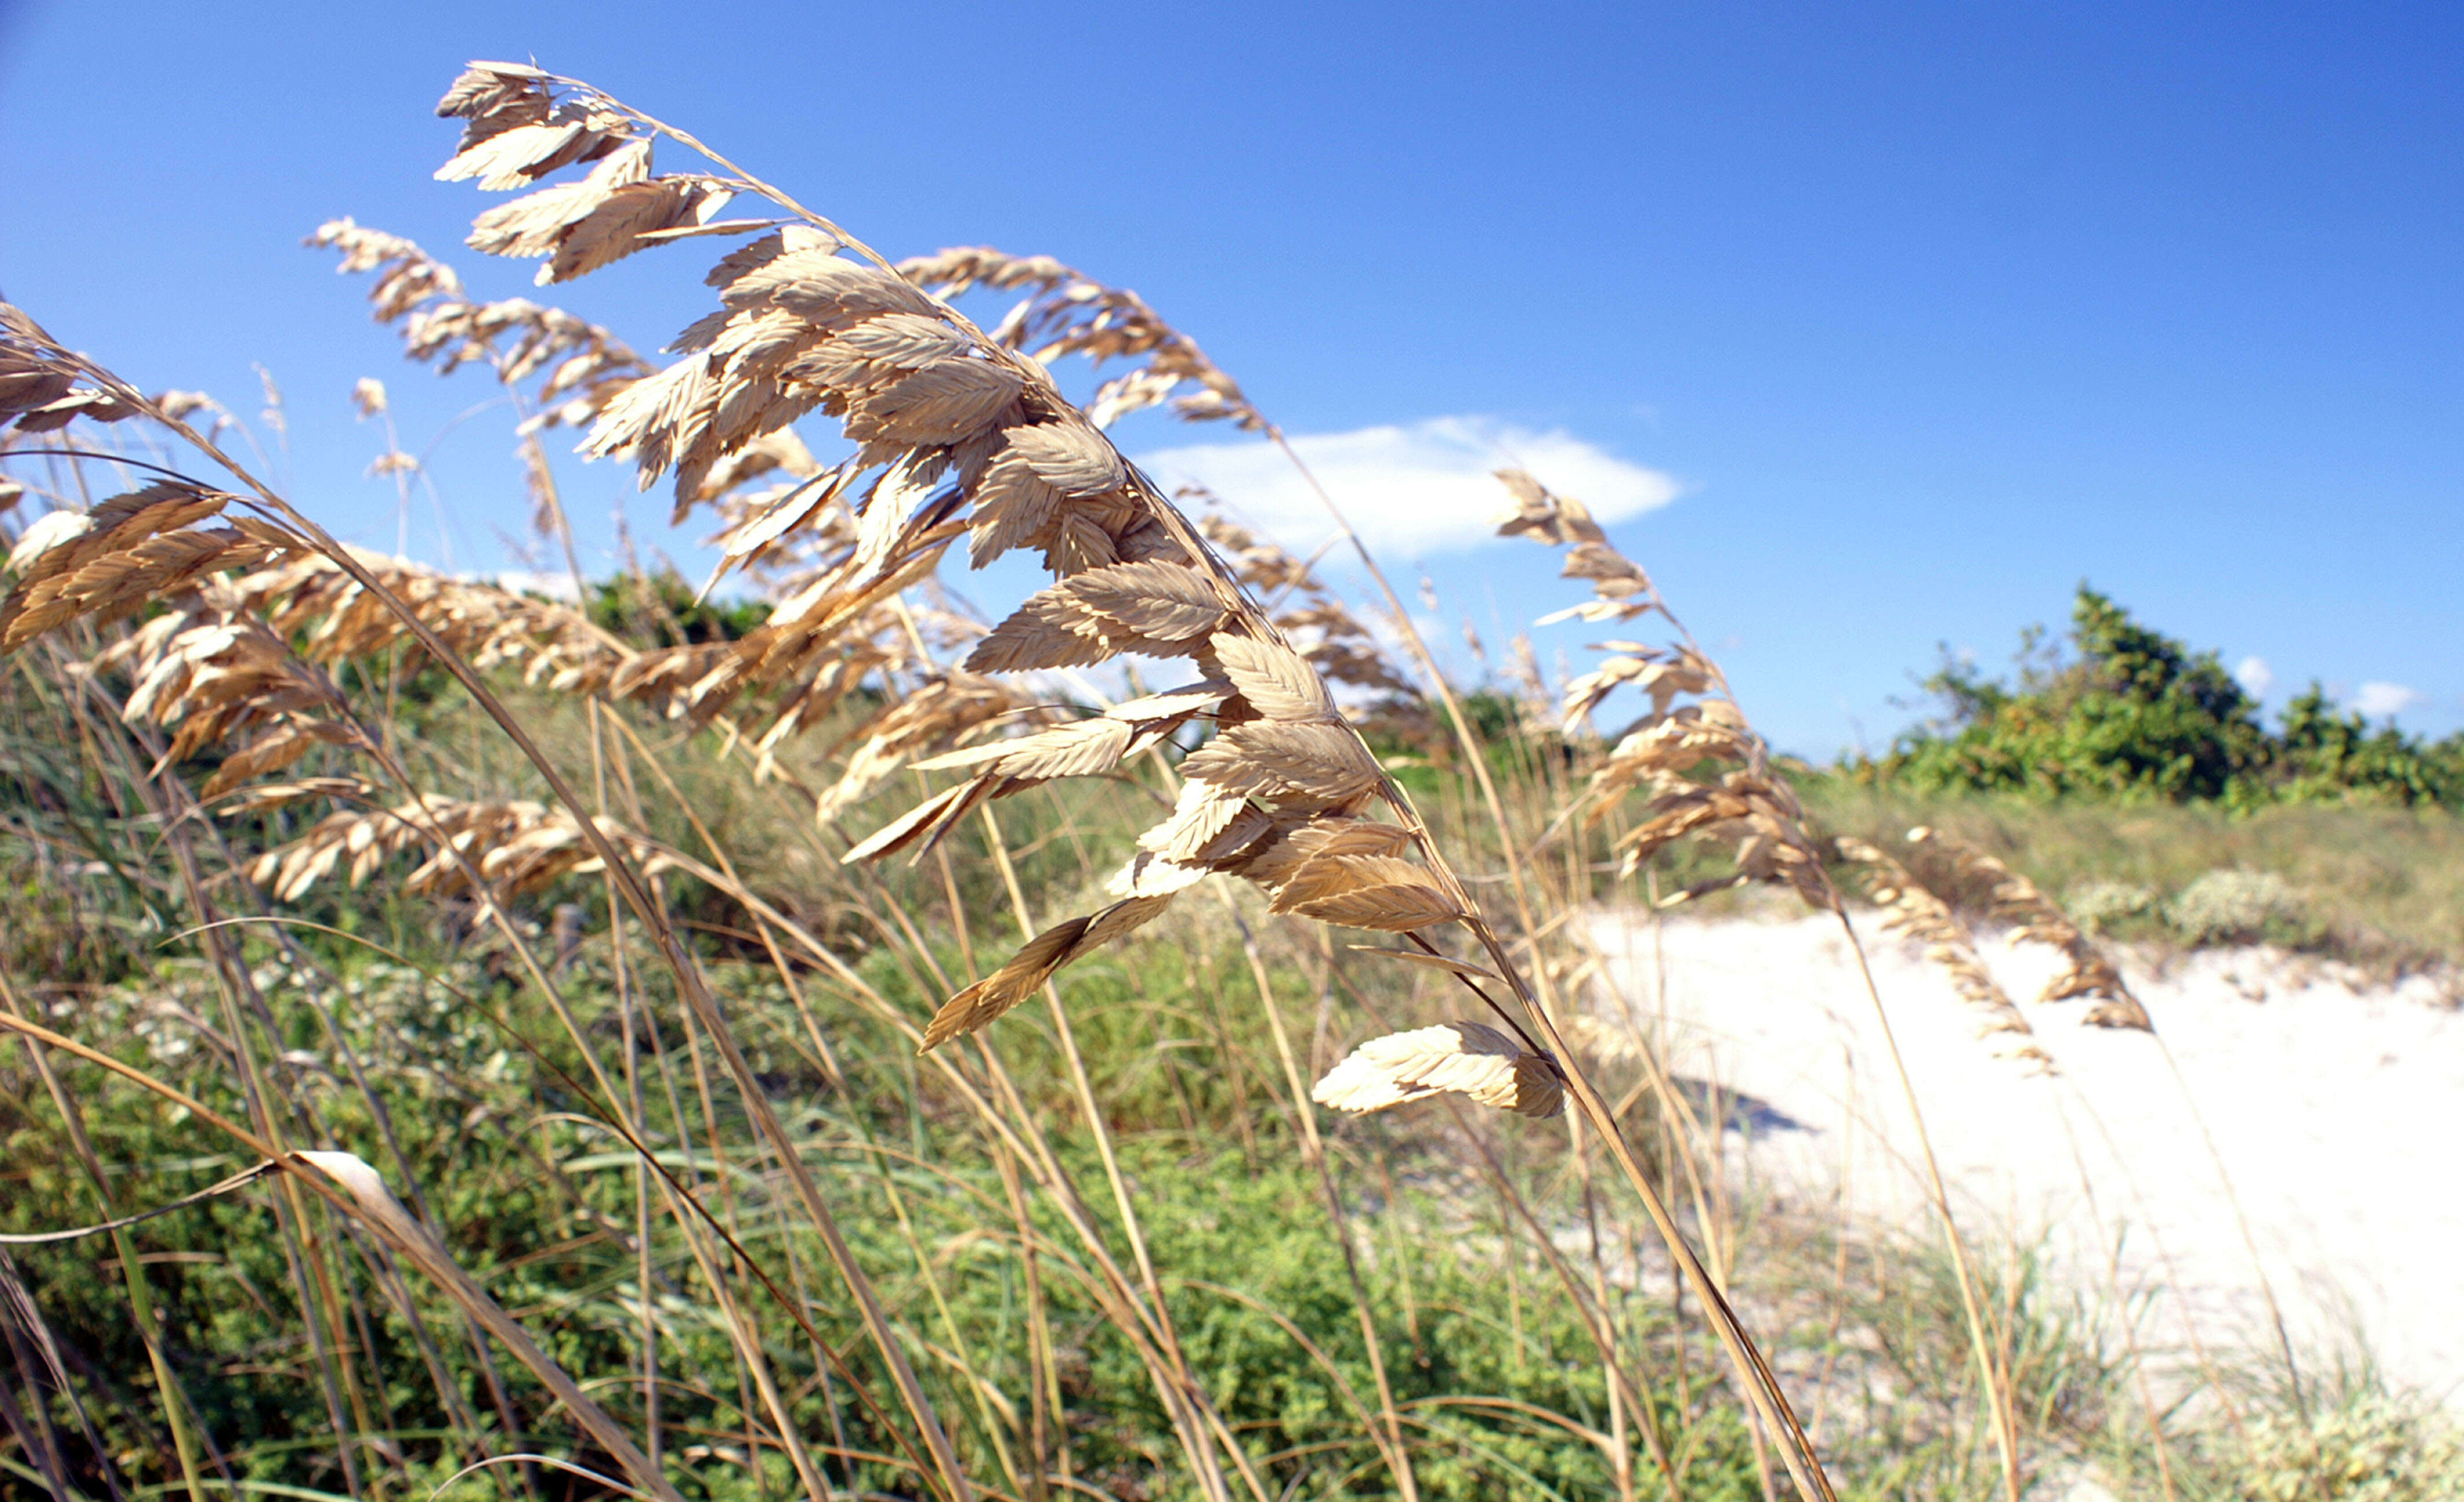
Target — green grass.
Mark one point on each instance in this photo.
(442, 1064)
(2380, 885)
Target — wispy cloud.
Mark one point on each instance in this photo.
(1410, 490)
(2255, 675)
(2386, 698)
(524, 580)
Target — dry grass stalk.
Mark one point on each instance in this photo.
(947, 420)
(585, 365)
(514, 847)
(352, 1184)
(221, 661)
(208, 650)
(1758, 1385)
(1066, 312)
(215, 672)
(41, 389)
(209, 672)
(2088, 971)
(1334, 641)
(1909, 909)
(335, 619)
(125, 551)
(1664, 754)
(355, 1188)
(1747, 803)
(959, 434)
(219, 665)
(27, 346)
(795, 533)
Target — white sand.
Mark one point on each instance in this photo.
(2337, 1107)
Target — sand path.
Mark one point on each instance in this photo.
(2337, 1108)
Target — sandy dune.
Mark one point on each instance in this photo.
(2336, 1107)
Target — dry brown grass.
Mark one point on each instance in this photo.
(1745, 805)
(2088, 971)
(1741, 804)
(1910, 909)
(958, 433)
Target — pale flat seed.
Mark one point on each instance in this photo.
(1004, 988)
(1051, 630)
(1072, 459)
(1204, 812)
(1468, 1057)
(943, 402)
(1163, 601)
(1400, 908)
(1173, 703)
(1078, 749)
(905, 341)
(1323, 761)
(1278, 682)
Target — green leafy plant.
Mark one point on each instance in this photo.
(2131, 713)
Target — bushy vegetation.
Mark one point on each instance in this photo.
(661, 609)
(2379, 885)
(416, 1043)
(403, 1029)
(2131, 713)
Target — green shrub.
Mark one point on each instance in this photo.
(2236, 906)
(2372, 1451)
(2133, 714)
(2101, 906)
(663, 608)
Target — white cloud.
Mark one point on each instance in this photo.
(1409, 490)
(2386, 698)
(524, 580)
(2254, 674)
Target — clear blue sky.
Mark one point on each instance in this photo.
(1929, 312)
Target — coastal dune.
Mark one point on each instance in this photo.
(2292, 1128)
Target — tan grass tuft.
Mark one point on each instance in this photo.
(514, 847)
(584, 365)
(2088, 972)
(213, 673)
(1743, 804)
(1746, 805)
(125, 552)
(41, 389)
(961, 433)
(1066, 312)
(1909, 909)
(956, 435)
(116, 558)
(337, 619)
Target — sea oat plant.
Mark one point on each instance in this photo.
(958, 435)
(1911, 910)
(1708, 776)
(2087, 970)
